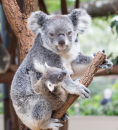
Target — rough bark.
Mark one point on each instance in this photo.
(18, 23)
(86, 80)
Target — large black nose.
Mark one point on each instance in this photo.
(64, 73)
(61, 39)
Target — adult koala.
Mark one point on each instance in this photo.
(56, 43)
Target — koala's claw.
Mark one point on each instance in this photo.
(54, 124)
(83, 91)
(107, 64)
(65, 117)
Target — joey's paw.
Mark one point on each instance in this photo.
(83, 91)
(107, 64)
(55, 124)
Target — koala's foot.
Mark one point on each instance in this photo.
(65, 117)
(54, 124)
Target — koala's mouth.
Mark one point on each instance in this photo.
(62, 47)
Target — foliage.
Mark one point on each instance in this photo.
(92, 106)
(114, 24)
(1, 105)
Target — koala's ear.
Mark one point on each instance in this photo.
(80, 20)
(50, 86)
(36, 20)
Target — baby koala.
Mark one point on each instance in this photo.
(49, 86)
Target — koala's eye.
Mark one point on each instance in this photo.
(59, 77)
(52, 34)
(69, 33)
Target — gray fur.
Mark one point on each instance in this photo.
(46, 49)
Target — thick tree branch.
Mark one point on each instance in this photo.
(14, 16)
(28, 7)
(42, 6)
(86, 80)
(101, 8)
(18, 23)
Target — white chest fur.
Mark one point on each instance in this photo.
(67, 58)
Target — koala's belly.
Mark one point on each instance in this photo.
(58, 98)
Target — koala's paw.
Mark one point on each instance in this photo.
(55, 124)
(65, 117)
(107, 64)
(83, 91)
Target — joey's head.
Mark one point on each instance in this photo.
(59, 32)
(51, 75)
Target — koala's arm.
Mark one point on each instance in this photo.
(75, 88)
(34, 82)
(80, 65)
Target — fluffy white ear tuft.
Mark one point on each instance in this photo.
(80, 19)
(36, 20)
(39, 67)
(50, 86)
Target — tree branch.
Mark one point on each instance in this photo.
(113, 71)
(42, 6)
(18, 23)
(86, 80)
(77, 4)
(100, 8)
(28, 7)
(64, 7)
(14, 16)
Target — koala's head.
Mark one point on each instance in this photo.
(51, 75)
(59, 32)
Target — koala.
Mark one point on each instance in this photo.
(49, 85)
(51, 96)
(55, 43)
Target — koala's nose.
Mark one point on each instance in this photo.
(61, 39)
(64, 73)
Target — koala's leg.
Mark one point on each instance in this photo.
(42, 112)
(75, 88)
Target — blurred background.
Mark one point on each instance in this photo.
(100, 111)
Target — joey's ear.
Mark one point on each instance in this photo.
(36, 20)
(50, 86)
(80, 20)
